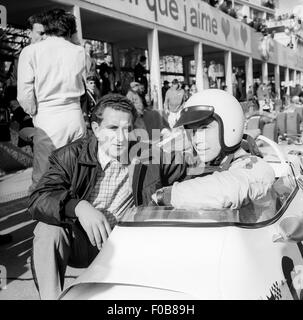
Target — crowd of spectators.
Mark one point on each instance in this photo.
(269, 4)
(285, 16)
(260, 24)
(224, 5)
(256, 23)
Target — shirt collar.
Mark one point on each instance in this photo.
(105, 159)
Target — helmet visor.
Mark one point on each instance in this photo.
(194, 115)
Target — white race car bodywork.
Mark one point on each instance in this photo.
(193, 263)
(210, 261)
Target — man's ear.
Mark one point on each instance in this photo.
(95, 127)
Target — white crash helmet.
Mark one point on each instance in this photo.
(223, 107)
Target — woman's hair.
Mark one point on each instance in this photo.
(60, 23)
(116, 102)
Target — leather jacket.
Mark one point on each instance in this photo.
(72, 176)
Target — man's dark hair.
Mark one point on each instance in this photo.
(116, 102)
(106, 54)
(60, 23)
(35, 18)
(87, 42)
(142, 59)
(91, 77)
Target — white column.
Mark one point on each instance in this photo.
(301, 78)
(291, 75)
(77, 38)
(154, 64)
(264, 15)
(228, 71)
(246, 12)
(291, 79)
(249, 73)
(265, 72)
(287, 80)
(277, 80)
(295, 77)
(198, 52)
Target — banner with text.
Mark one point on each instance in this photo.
(193, 17)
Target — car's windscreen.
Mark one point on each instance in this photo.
(251, 212)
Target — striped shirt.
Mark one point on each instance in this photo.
(112, 194)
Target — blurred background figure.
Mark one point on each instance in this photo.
(193, 89)
(173, 103)
(107, 75)
(118, 87)
(186, 89)
(134, 96)
(90, 62)
(164, 89)
(90, 100)
(250, 94)
(36, 33)
(24, 120)
(142, 94)
(140, 73)
(212, 74)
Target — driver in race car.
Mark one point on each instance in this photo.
(214, 123)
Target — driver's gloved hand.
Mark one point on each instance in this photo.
(162, 197)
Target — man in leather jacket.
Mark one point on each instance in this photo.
(90, 183)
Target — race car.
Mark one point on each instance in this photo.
(254, 252)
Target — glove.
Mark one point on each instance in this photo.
(162, 197)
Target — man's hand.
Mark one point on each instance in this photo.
(93, 222)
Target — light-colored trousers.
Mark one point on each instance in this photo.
(172, 118)
(54, 248)
(54, 128)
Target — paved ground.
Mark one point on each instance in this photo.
(15, 219)
(15, 178)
